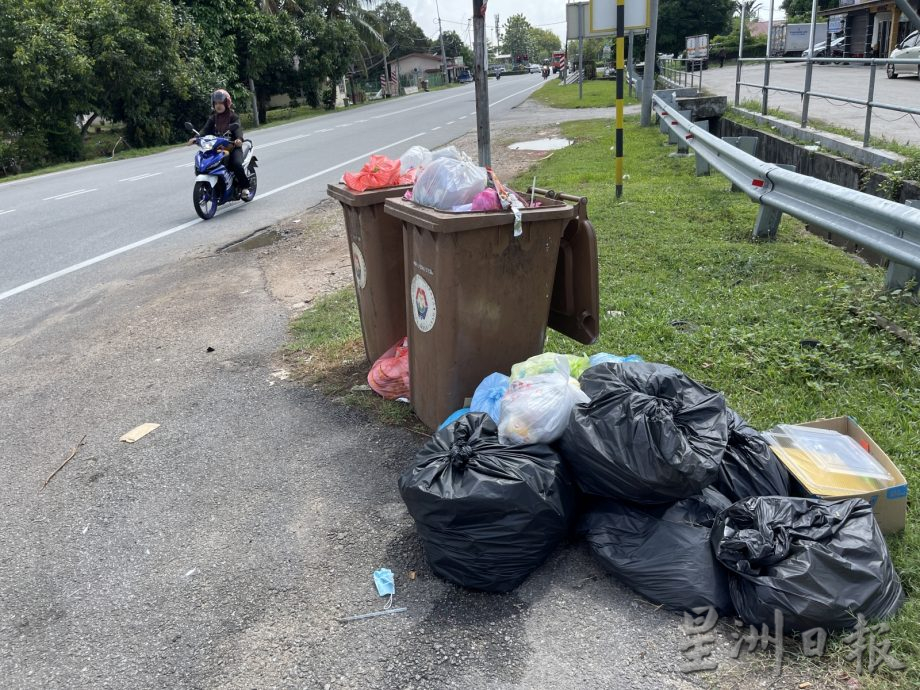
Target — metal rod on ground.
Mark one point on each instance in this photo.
(648, 69)
(740, 55)
(806, 94)
(581, 48)
(869, 100)
(480, 65)
(764, 99)
(621, 21)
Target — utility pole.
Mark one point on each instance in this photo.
(498, 38)
(480, 65)
(443, 52)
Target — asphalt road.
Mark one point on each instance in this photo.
(65, 222)
(850, 81)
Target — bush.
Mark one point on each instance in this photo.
(590, 69)
(329, 99)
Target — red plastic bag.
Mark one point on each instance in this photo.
(378, 172)
(389, 377)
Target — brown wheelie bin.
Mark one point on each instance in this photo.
(478, 297)
(375, 243)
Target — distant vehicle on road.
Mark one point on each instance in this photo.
(535, 68)
(465, 77)
(836, 49)
(907, 49)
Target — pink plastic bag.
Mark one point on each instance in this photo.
(389, 377)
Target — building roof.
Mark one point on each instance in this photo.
(420, 56)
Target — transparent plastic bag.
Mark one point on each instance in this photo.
(415, 157)
(446, 182)
(549, 362)
(536, 408)
(451, 152)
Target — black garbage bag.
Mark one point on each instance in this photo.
(662, 552)
(749, 467)
(818, 562)
(487, 514)
(649, 434)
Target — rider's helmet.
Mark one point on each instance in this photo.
(221, 96)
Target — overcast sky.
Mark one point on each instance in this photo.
(455, 15)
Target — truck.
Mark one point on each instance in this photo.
(789, 40)
(558, 61)
(697, 52)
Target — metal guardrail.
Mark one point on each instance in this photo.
(886, 227)
(674, 70)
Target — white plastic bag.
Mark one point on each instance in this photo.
(536, 409)
(415, 157)
(451, 152)
(446, 182)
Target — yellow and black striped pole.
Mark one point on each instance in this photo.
(621, 20)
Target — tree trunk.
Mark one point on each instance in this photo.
(88, 122)
(255, 103)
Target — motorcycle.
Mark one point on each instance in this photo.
(214, 181)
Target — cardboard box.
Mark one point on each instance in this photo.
(889, 504)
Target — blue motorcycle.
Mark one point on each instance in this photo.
(214, 181)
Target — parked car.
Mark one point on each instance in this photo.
(908, 49)
(497, 69)
(535, 68)
(837, 48)
(465, 77)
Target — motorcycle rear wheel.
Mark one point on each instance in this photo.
(253, 183)
(205, 200)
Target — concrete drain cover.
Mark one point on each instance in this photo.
(541, 145)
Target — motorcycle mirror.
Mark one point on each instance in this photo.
(188, 127)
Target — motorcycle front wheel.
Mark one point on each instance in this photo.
(205, 200)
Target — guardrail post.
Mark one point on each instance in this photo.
(673, 138)
(899, 275)
(702, 167)
(768, 218)
(746, 144)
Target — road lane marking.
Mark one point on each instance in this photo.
(462, 117)
(435, 129)
(166, 233)
(516, 93)
(140, 177)
(67, 195)
(185, 165)
(451, 122)
(416, 107)
(283, 141)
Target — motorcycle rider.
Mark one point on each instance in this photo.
(223, 119)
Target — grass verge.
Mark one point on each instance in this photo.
(787, 329)
(596, 93)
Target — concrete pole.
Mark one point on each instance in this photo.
(480, 78)
(648, 73)
(765, 96)
(740, 55)
(443, 52)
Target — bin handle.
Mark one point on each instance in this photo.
(552, 194)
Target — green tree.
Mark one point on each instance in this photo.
(800, 10)
(544, 43)
(517, 38)
(453, 47)
(678, 19)
(399, 30)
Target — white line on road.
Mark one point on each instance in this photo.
(435, 129)
(3, 213)
(166, 233)
(140, 177)
(67, 195)
(416, 107)
(283, 141)
(185, 165)
(516, 93)
(451, 122)
(321, 131)
(462, 117)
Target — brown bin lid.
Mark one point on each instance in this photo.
(340, 192)
(575, 307)
(447, 221)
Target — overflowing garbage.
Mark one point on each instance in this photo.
(676, 495)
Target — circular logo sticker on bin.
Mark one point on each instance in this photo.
(357, 263)
(424, 307)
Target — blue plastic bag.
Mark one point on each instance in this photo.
(454, 417)
(489, 394)
(603, 357)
